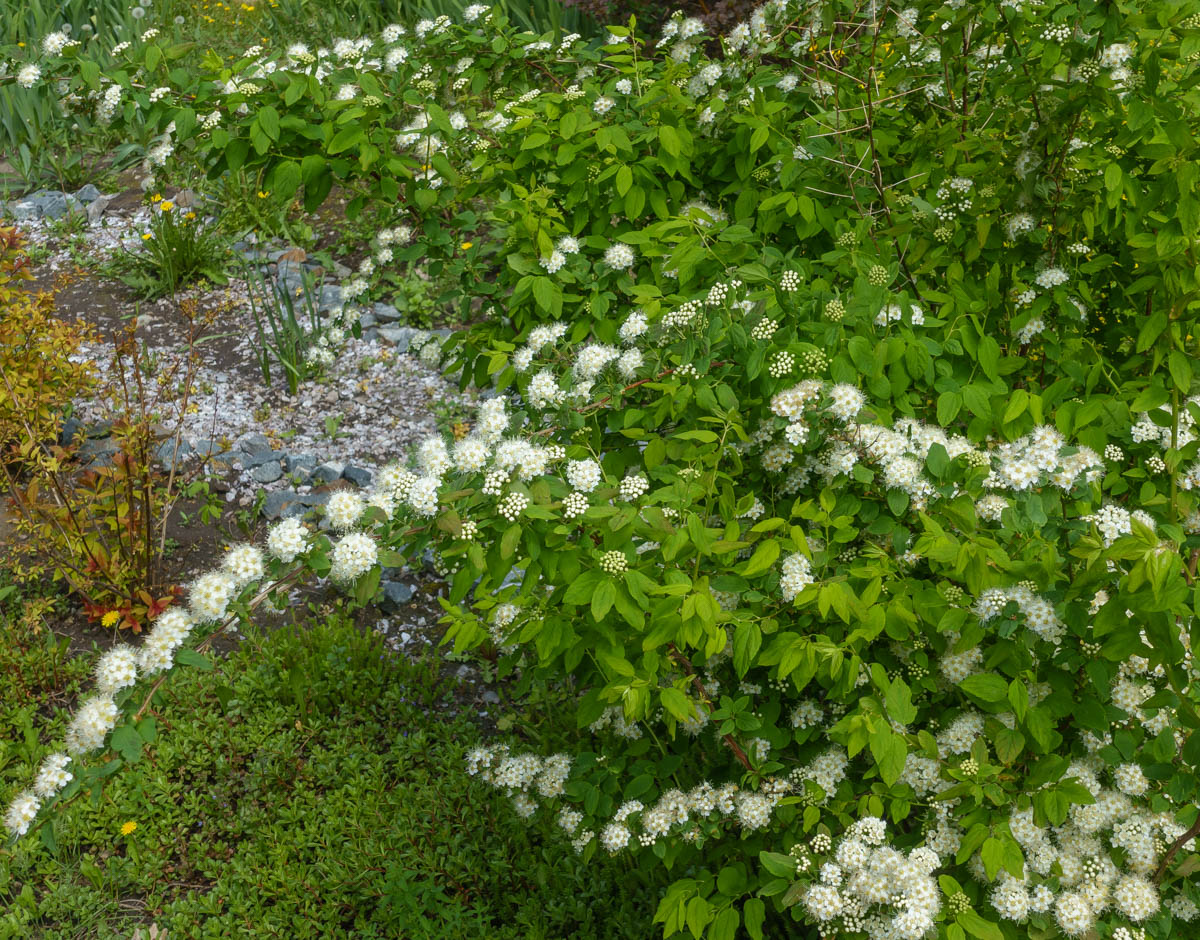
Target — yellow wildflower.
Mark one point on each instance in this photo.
(262, 195)
(467, 245)
(110, 619)
(147, 236)
(128, 827)
(167, 206)
(157, 197)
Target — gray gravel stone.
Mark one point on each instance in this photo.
(357, 475)
(267, 472)
(87, 193)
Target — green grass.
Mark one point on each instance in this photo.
(324, 798)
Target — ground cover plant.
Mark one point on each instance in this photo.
(842, 455)
(189, 838)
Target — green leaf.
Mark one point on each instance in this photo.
(764, 556)
(1112, 177)
(1181, 370)
(985, 686)
(189, 657)
(890, 752)
(346, 138)
(510, 540)
(127, 742)
(777, 864)
(747, 640)
(976, 926)
(602, 599)
(677, 703)
(725, 926)
(898, 701)
(699, 913)
(754, 913)
(268, 120)
(669, 138)
(992, 854)
(624, 180)
(948, 406)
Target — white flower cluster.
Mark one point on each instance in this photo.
(869, 887)
(1038, 613)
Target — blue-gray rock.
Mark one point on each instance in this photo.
(70, 429)
(254, 444)
(96, 207)
(55, 205)
(366, 320)
(166, 453)
(400, 335)
(328, 472)
(277, 504)
(207, 448)
(294, 462)
(250, 461)
(357, 475)
(24, 211)
(97, 452)
(314, 499)
(371, 334)
(99, 429)
(395, 595)
(331, 296)
(291, 273)
(387, 313)
(87, 193)
(267, 472)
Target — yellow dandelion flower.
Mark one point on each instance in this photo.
(167, 205)
(127, 828)
(466, 245)
(110, 618)
(262, 195)
(157, 197)
(189, 216)
(147, 236)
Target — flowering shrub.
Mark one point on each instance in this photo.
(842, 453)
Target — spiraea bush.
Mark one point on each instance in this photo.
(842, 455)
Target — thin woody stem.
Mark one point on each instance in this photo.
(687, 667)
